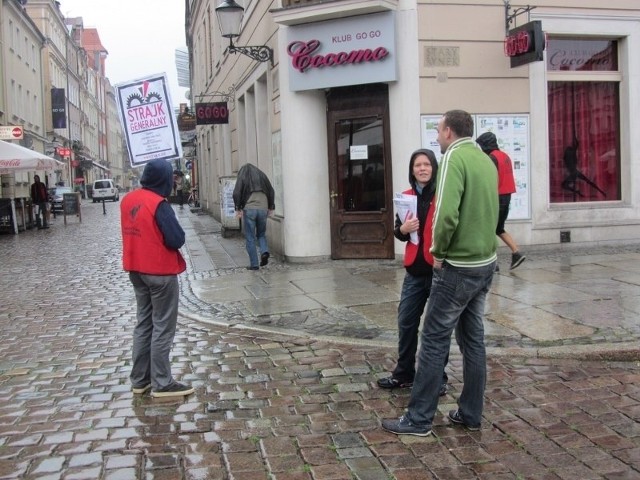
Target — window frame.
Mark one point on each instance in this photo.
(626, 30)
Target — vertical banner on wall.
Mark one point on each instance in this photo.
(58, 108)
(148, 120)
(512, 132)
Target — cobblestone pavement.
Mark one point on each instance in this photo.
(267, 406)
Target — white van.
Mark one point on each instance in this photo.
(105, 189)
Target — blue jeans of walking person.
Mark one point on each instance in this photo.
(255, 227)
(413, 298)
(456, 302)
(157, 314)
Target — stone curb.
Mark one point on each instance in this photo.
(614, 352)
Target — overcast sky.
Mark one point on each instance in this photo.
(140, 35)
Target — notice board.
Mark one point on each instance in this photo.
(512, 132)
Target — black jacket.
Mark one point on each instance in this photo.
(251, 179)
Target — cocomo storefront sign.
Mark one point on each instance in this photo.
(349, 51)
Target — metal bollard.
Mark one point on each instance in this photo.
(104, 208)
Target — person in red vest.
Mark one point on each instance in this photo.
(151, 239)
(40, 198)
(418, 263)
(506, 186)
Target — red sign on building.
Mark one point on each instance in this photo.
(63, 151)
(212, 113)
(525, 44)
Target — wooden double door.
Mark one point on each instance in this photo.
(360, 172)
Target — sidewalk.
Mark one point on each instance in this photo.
(563, 301)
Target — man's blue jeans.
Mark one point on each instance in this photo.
(414, 296)
(255, 226)
(456, 302)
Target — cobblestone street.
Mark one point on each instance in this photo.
(267, 405)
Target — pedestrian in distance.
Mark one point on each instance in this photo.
(254, 200)
(39, 198)
(151, 239)
(506, 186)
(464, 258)
(418, 263)
(179, 186)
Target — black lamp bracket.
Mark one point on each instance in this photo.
(511, 16)
(260, 53)
(227, 97)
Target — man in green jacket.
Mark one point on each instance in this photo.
(464, 251)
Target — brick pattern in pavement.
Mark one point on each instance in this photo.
(266, 406)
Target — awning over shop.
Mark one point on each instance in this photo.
(101, 167)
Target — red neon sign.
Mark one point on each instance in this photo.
(517, 44)
(303, 58)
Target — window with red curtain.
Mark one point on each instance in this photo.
(584, 120)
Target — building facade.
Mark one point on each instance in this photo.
(54, 86)
(22, 92)
(357, 85)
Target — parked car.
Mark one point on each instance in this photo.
(105, 189)
(55, 197)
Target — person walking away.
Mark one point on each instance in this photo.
(254, 199)
(418, 261)
(179, 184)
(506, 186)
(40, 197)
(151, 239)
(464, 258)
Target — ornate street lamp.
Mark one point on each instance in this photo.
(229, 15)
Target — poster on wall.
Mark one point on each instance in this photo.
(512, 132)
(429, 133)
(148, 120)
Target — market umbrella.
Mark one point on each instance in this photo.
(14, 158)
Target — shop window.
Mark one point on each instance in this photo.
(584, 120)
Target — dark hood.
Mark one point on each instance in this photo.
(431, 185)
(488, 142)
(158, 177)
(252, 177)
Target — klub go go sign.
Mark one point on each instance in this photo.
(212, 113)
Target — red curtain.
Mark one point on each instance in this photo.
(584, 154)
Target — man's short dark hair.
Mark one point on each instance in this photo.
(460, 122)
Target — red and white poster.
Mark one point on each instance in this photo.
(148, 121)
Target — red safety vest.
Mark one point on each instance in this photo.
(411, 249)
(143, 248)
(506, 182)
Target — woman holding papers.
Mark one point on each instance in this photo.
(423, 169)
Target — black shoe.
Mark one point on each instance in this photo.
(176, 389)
(404, 426)
(253, 268)
(516, 259)
(264, 259)
(456, 417)
(390, 382)
(141, 390)
(444, 388)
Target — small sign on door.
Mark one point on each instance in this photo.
(359, 152)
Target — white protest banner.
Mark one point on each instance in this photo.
(148, 121)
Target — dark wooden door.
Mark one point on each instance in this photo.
(360, 172)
